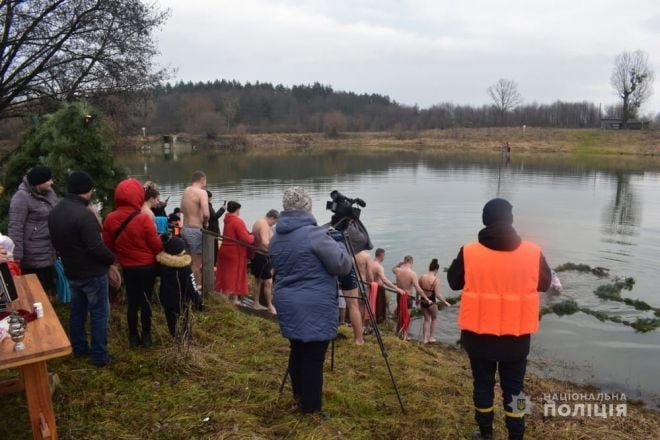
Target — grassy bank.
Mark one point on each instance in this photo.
(226, 386)
(452, 140)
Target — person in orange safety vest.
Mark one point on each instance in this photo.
(501, 275)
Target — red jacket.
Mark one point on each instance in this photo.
(139, 242)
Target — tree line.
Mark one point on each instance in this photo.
(54, 51)
(222, 106)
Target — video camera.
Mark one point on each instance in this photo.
(342, 206)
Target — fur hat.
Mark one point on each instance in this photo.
(497, 211)
(39, 174)
(296, 198)
(79, 183)
(172, 245)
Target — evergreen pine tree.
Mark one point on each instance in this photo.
(76, 137)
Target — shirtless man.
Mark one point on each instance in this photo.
(195, 210)
(351, 293)
(363, 262)
(260, 266)
(377, 274)
(406, 278)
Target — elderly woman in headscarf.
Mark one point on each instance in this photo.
(307, 260)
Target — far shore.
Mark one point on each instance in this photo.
(533, 140)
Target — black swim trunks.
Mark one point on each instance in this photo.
(348, 282)
(260, 267)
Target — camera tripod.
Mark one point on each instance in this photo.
(372, 318)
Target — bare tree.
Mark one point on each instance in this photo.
(52, 50)
(632, 79)
(505, 96)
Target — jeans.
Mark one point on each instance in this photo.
(512, 378)
(90, 295)
(139, 288)
(306, 371)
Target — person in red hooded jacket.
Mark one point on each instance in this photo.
(231, 267)
(132, 236)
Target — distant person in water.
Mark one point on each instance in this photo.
(195, 210)
(501, 275)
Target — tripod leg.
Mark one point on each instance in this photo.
(372, 318)
(286, 373)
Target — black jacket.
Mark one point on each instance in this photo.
(214, 218)
(499, 237)
(76, 236)
(176, 284)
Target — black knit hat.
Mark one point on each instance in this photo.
(79, 183)
(173, 245)
(232, 206)
(39, 174)
(497, 211)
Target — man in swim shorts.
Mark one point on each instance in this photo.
(260, 266)
(195, 210)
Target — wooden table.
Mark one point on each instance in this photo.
(44, 339)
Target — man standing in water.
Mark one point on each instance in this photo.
(501, 276)
(377, 274)
(406, 279)
(195, 210)
(260, 266)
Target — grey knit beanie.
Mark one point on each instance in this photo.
(296, 198)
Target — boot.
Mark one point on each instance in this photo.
(483, 433)
(134, 341)
(146, 340)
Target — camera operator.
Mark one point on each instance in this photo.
(307, 261)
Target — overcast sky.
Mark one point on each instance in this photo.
(416, 52)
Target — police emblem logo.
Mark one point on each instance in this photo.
(520, 404)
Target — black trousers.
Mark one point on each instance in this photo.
(178, 319)
(139, 288)
(512, 377)
(46, 277)
(306, 372)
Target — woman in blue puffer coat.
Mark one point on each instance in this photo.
(307, 261)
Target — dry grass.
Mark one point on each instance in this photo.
(225, 385)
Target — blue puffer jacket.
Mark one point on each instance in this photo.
(307, 261)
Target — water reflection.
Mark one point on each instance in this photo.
(623, 213)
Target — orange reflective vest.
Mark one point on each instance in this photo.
(500, 294)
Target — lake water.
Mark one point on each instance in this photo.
(604, 213)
